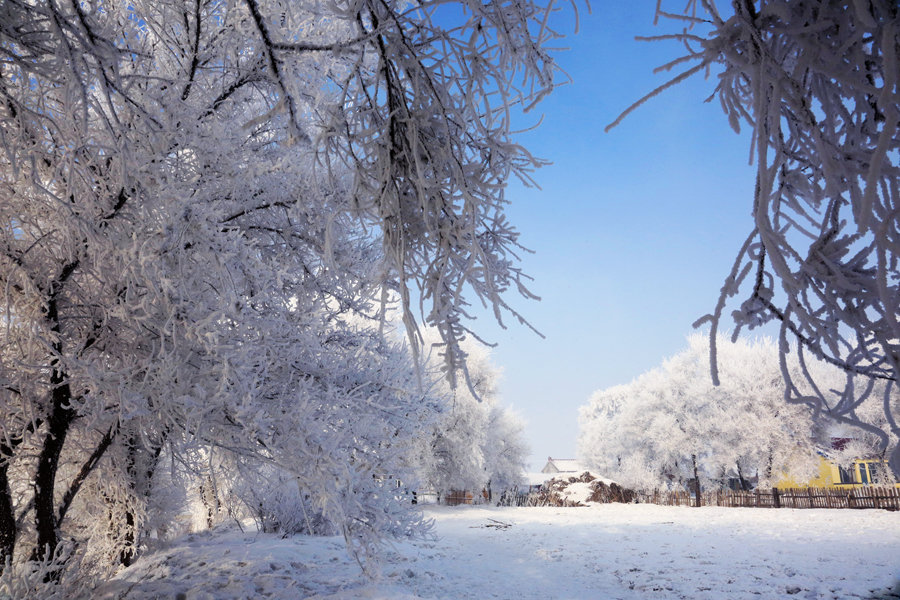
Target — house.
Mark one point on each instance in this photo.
(860, 472)
(562, 465)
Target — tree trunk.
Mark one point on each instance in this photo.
(127, 554)
(696, 481)
(8, 527)
(86, 469)
(210, 499)
(45, 475)
(7, 517)
(58, 422)
(140, 484)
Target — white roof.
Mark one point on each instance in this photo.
(563, 465)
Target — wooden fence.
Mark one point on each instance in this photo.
(457, 497)
(861, 497)
(543, 498)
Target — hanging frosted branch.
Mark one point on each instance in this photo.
(427, 133)
(817, 83)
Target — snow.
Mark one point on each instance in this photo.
(603, 551)
(537, 478)
(577, 492)
(533, 478)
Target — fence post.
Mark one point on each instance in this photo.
(776, 503)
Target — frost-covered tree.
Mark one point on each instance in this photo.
(505, 450)
(476, 443)
(672, 422)
(818, 84)
(201, 204)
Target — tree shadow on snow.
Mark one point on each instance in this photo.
(892, 593)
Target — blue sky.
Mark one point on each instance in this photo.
(634, 231)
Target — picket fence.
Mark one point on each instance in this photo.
(862, 497)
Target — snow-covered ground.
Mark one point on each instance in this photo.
(596, 552)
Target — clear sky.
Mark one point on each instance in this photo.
(634, 231)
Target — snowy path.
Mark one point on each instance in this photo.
(599, 552)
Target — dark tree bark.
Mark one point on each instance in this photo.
(86, 469)
(210, 501)
(127, 554)
(58, 422)
(7, 516)
(141, 463)
(696, 481)
(8, 528)
(48, 462)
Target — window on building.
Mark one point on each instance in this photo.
(846, 477)
(863, 469)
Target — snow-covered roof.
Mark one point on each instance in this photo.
(562, 465)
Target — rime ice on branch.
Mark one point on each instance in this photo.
(671, 424)
(202, 206)
(817, 83)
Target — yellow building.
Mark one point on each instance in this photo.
(862, 472)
